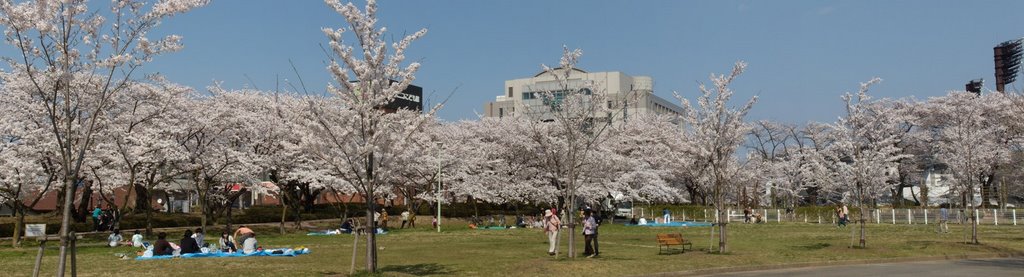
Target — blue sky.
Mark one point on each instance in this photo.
(802, 54)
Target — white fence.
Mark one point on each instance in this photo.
(1011, 217)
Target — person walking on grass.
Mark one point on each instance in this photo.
(590, 234)
(551, 226)
(844, 215)
(405, 218)
(943, 220)
(96, 212)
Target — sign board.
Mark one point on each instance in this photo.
(35, 230)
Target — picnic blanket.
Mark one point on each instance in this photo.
(335, 232)
(278, 252)
(324, 233)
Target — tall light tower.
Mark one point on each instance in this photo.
(1007, 62)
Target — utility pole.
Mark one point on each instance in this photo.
(439, 146)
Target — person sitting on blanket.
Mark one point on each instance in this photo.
(346, 227)
(161, 247)
(226, 243)
(137, 240)
(200, 238)
(249, 244)
(114, 239)
(240, 234)
(188, 244)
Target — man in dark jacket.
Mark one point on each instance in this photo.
(161, 247)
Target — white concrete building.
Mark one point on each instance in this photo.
(637, 92)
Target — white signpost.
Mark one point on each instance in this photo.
(35, 230)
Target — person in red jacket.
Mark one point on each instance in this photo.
(161, 247)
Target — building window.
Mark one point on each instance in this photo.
(501, 112)
(529, 95)
(510, 92)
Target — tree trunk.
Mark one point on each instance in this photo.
(284, 215)
(371, 237)
(230, 208)
(371, 234)
(203, 206)
(298, 219)
(65, 226)
(80, 214)
(974, 226)
(569, 212)
(20, 214)
(723, 218)
(863, 231)
(149, 220)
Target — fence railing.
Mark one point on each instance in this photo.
(986, 216)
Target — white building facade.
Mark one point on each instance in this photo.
(625, 95)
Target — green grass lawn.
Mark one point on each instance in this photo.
(522, 252)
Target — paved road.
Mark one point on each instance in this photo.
(977, 268)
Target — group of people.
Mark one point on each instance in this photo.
(115, 239)
(750, 216)
(192, 241)
(408, 218)
(591, 222)
(105, 220)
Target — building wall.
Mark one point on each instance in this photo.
(619, 88)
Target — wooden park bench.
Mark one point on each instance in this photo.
(667, 241)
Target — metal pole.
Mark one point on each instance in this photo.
(1014, 217)
(893, 216)
(910, 217)
(995, 215)
(778, 216)
(439, 187)
(925, 216)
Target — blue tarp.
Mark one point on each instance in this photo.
(326, 233)
(282, 252)
(675, 224)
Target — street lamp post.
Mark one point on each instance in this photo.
(439, 145)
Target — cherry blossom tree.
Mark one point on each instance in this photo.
(717, 131)
(864, 152)
(27, 169)
(966, 130)
(351, 133)
(215, 150)
(74, 61)
(640, 156)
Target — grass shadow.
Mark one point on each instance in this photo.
(814, 246)
(420, 269)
